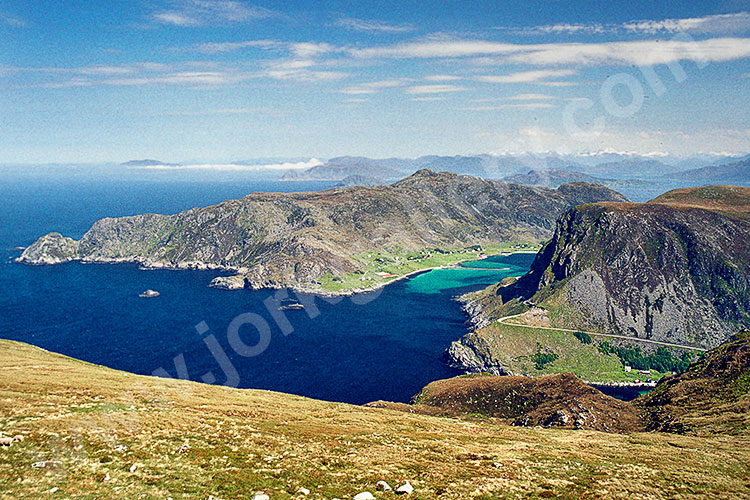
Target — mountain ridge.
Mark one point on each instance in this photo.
(277, 240)
(676, 269)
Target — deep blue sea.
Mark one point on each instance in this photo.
(386, 345)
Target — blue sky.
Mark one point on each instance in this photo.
(223, 80)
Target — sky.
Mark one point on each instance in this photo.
(230, 80)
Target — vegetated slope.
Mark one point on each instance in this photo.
(275, 239)
(734, 172)
(100, 433)
(549, 401)
(676, 269)
(712, 396)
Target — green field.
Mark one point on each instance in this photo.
(515, 347)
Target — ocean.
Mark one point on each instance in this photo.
(381, 346)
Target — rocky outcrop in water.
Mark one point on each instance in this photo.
(52, 248)
(276, 240)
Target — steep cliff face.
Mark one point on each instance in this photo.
(277, 239)
(676, 269)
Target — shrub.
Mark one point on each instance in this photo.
(584, 337)
(542, 359)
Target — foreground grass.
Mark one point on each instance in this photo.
(240, 441)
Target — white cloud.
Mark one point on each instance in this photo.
(442, 78)
(722, 24)
(532, 97)
(177, 19)
(538, 76)
(221, 47)
(433, 89)
(498, 107)
(717, 24)
(372, 87)
(12, 21)
(191, 13)
(640, 53)
(437, 49)
(427, 99)
(371, 26)
(310, 49)
(314, 162)
(556, 29)
(301, 70)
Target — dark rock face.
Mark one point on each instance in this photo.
(668, 271)
(277, 239)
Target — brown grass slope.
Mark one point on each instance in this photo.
(720, 198)
(562, 401)
(712, 396)
(239, 441)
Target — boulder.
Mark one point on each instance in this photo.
(405, 489)
(365, 495)
(383, 486)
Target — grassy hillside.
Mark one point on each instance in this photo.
(399, 263)
(721, 198)
(234, 442)
(712, 396)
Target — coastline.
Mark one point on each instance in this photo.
(355, 291)
(229, 283)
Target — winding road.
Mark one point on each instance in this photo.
(503, 321)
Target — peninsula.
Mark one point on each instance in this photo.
(336, 240)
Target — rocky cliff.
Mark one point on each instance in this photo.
(676, 269)
(274, 239)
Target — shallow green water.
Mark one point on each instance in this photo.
(438, 280)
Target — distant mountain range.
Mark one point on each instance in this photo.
(730, 173)
(148, 163)
(551, 178)
(554, 178)
(360, 180)
(602, 168)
